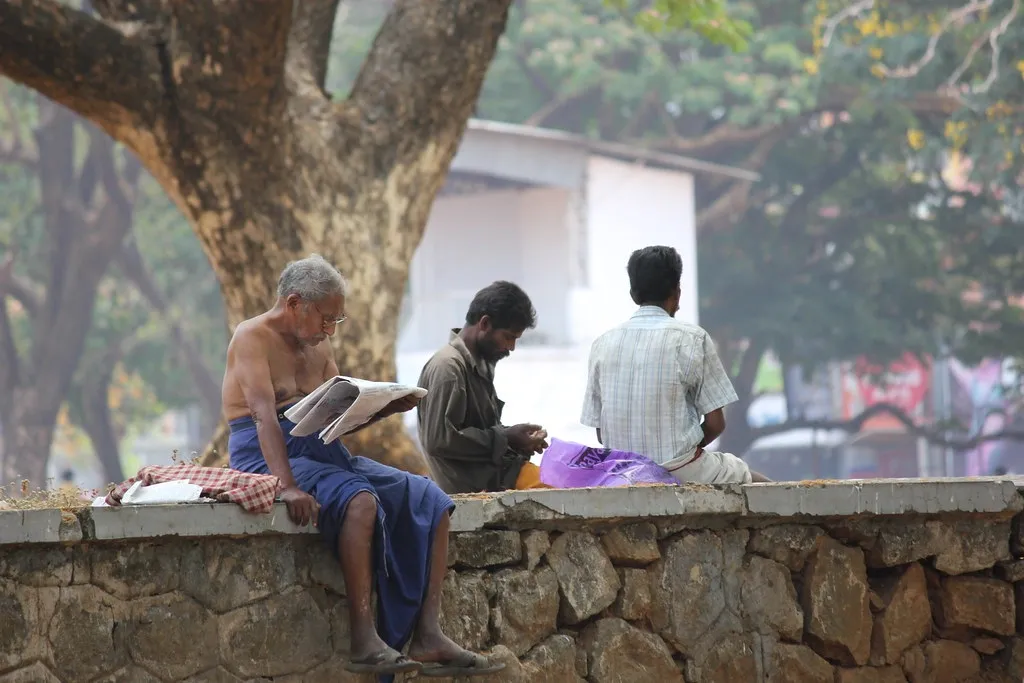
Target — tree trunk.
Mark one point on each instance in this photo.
(738, 435)
(28, 438)
(86, 212)
(224, 104)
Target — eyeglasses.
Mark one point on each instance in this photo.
(327, 322)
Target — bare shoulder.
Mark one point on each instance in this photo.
(250, 336)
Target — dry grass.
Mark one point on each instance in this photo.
(23, 497)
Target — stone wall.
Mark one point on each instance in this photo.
(900, 581)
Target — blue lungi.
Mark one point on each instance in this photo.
(409, 508)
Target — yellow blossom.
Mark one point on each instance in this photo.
(811, 66)
(876, 53)
(915, 138)
(878, 70)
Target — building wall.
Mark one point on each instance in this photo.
(629, 206)
(702, 585)
(473, 240)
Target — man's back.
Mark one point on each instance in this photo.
(651, 380)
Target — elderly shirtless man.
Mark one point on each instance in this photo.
(381, 523)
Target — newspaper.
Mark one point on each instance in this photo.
(343, 404)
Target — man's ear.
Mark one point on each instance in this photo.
(634, 297)
(293, 301)
(484, 323)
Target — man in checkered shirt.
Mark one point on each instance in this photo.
(653, 378)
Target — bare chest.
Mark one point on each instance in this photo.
(296, 373)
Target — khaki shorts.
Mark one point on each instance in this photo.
(711, 467)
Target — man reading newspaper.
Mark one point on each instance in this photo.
(381, 523)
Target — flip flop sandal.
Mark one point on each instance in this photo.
(463, 666)
(383, 662)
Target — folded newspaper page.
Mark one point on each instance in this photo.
(343, 404)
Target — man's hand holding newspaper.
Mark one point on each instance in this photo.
(342, 405)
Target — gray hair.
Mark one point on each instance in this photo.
(311, 279)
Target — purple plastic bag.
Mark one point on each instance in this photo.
(568, 465)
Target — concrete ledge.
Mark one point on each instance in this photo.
(883, 497)
(199, 519)
(694, 505)
(38, 526)
(524, 508)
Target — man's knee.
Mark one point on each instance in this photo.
(362, 509)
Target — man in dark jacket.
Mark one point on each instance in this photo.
(460, 429)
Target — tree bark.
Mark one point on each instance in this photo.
(86, 213)
(738, 435)
(267, 168)
(95, 417)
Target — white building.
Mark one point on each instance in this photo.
(559, 215)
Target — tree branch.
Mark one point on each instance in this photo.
(539, 117)
(856, 424)
(734, 201)
(309, 44)
(10, 363)
(727, 134)
(133, 266)
(81, 62)
(420, 82)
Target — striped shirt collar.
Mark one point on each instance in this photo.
(651, 312)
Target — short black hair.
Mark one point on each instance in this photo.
(506, 304)
(654, 273)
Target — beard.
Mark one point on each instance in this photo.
(490, 352)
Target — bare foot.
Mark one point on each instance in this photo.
(430, 648)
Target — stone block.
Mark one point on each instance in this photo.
(130, 674)
(20, 621)
(971, 545)
(884, 674)
(798, 664)
(553, 661)
(587, 579)
(535, 545)
(941, 661)
(290, 620)
(224, 574)
(788, 544)
(33, 673)
(1012, 571)
(1014, 658)
(135, 570)
(905, 618)
(835, 602)
(632, 545)
(902, 542)
(987, 645)
(173, 634)
(465, 612)
(769, 600)
(38, 566)
(487, 548)
(634, 600)
(731, 658)
(526, 607)
(617, 651)
(218, 675)
(322, 567)
(86, 634)
(687, 589)
(977, 603)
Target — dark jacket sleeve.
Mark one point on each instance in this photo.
(441, 414)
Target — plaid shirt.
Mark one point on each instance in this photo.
(254, 492)
(650, 382)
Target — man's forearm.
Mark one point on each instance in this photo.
(710, 434)
(274, 450)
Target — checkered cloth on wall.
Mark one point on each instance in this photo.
(254, 492)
